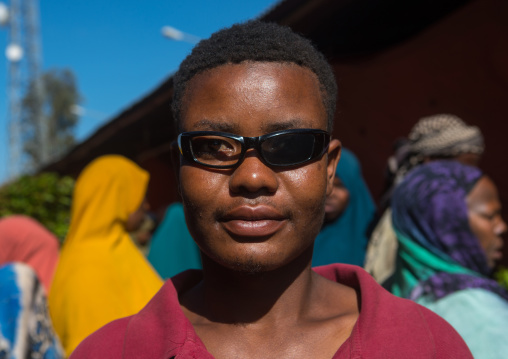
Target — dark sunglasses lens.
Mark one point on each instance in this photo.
(288, 149)
(215, 150)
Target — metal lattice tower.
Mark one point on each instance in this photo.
(24, 69)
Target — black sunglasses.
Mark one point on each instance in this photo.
(279, 149)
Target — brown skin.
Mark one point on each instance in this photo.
(484, 209)
(136, 218)
(471, 159)
(337, 201)
(259, 296)
(468, 158)
(143, 234)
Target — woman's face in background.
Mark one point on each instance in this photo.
(136, 218)
(484, 210)
(337, 201)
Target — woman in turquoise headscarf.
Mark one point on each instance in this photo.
(447, 219)
(349, 211)
(172, 249)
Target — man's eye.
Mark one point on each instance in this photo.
(275, 146)
(213, 147)
(217, 145)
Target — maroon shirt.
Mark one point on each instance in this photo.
(387, 327)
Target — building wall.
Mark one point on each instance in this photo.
(458, 65)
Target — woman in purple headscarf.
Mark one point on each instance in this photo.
(447, 218)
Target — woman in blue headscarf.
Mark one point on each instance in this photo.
(26, 330)
(172, 249)
(349, 211)
(447, 219)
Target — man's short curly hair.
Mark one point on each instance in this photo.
(261, 42)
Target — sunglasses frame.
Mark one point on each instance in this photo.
(321, 142)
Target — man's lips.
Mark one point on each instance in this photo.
(258, 221)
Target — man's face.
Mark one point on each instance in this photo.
(254, 217)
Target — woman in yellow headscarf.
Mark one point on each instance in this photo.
(101, 275)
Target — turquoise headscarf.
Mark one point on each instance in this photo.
(172, 249)
(345, 239)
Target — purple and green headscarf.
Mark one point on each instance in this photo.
(438, 252)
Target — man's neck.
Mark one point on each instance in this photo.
(227, 296)
(244, 315)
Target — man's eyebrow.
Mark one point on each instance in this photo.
(208, 125)
(285, 125)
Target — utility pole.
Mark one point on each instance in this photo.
(24, 55)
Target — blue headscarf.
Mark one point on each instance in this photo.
(172, 249)
(438, 252)
(345, 239)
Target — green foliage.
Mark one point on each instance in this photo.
(45, 197)
(501, 275)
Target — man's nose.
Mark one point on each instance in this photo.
(252, 175)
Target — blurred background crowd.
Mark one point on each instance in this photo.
(90, 234)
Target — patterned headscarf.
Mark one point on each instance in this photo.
(442, 136)
(445, 135)
(438, 252)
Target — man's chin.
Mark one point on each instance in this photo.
(249, 266)
(253, 266)
(257, 262)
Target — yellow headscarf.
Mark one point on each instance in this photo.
(101, 275)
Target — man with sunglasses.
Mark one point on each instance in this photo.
(254, 105)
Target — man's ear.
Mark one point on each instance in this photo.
(334, 150)
(175, 161)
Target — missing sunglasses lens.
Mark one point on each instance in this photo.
(216, 150)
